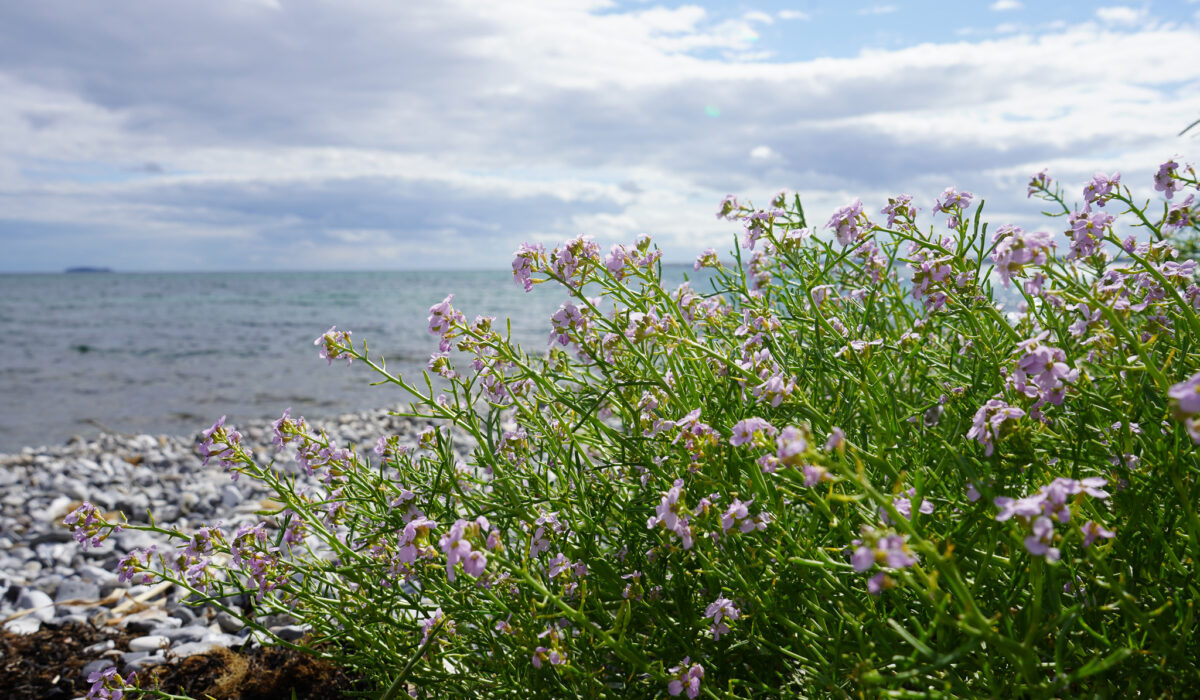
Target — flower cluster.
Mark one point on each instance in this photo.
(333, 344)
(685, 677)
(1052, 503)
(1101, 188)
(1087, 232)
(457, 548)
(525, 262)
(887, 549)
(900, 209)
(989, 423)
(954, 203)
(222, 443)
(1015, 248)
(737, 515)
(1042, 372)
(442, 319)
(87, 527)
(849, 223)
(108, 684)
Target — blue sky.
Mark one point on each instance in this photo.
(374, 134)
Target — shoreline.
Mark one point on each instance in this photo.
(48, 580)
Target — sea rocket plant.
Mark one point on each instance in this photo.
(784, 472)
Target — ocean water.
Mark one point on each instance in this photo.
(172, 352)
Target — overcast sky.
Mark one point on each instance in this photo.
(396, 134)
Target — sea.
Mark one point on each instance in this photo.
(172, 352)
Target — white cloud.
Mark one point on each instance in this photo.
(763, 153)
(760, 17)
(878, 10)
(1004, 5)
(370, 127)
(1120, 14)
(794, 15)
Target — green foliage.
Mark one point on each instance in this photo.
(619, 486)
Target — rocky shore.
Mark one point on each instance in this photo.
(48, 581)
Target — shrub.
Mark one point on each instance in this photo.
(841, 468)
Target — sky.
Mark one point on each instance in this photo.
(157, 135)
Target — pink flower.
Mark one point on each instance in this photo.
(332, 342)
(1185, 396)
(836, 439)
(686, 678)
(719, 610)
(744, 430)
(525, 262)
(1093, 531)
(849, 223)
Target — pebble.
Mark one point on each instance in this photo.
(97, 665)
(23, 625)
(42, 567)
(42, 604)
(183, 651)
(229, 623)
(149, 643)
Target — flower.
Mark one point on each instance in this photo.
(686, 677)
(1038, 183)
(1093, 531)
(333, 343)
(1015, 248)
(730, 208)
(671, 514)
(1165, 179)
(719, 610)
(1185, 396)
(108, 684)
(953, 202)
(430, 623)
(525, 262)
(903, 505)
(1099, 190)
(738, 515)
(457, 549)
(989, 420)
(614, 262)
(848, 223)
(899, 207)
(745, 429)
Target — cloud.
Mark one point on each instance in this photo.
(1121, 15)
(1005, 5)
(878, 10)
(794, 15)
(763, 153)
(444, 134)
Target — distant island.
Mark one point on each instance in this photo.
(73, 270)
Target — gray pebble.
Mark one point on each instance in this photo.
(99, 647)
(191, 633)
(76, 590)
(229, 623)
(289, 633)
(33, 598)
(145, 662)
(97, 665)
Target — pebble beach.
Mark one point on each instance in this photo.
(47, 579)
